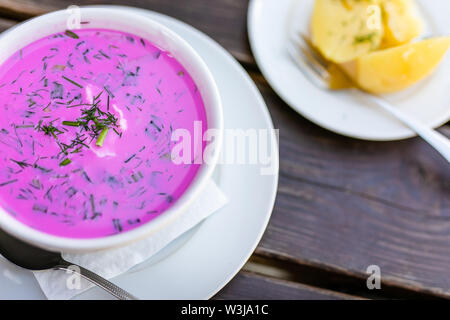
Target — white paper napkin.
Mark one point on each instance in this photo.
(111, 263)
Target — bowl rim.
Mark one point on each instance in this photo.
(215, 120)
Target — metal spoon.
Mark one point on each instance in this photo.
(33, 258)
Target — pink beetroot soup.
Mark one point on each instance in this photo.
(85, 132)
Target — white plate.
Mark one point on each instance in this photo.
(201, 262)
(269, 22)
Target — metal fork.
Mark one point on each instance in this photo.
(315, 68)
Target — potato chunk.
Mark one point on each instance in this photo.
(397, 68)
(343, 30)
(402, 22)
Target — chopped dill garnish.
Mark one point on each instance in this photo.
(21, 164)
(76, 150)
(73, 82)
(50, 130)
(130, 158)
(98, 96)
(108, 92)
(71, 34)
(65, 162)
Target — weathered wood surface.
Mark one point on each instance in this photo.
(223, 20)
(6, 24)
(343, 204)
(254, 287)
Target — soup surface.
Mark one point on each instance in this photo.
(85, 132)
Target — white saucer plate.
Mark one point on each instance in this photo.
(200, 263)
(269, 24)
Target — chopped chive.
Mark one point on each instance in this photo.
(102, 137)
(71, 123)
(65, 162)
(72, 82)
(71, 34)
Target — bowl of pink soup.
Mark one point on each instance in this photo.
(91, 119)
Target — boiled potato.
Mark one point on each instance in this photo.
(402, 22)
(397, 68)
(343, 30)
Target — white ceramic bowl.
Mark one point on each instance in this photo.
(123, 20)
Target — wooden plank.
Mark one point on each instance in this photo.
(249, 286)
(345, 204)
(225, 21)
(6, 24)
(318, 276)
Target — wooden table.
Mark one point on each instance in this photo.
(342, 204)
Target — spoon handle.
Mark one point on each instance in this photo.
(106, 285)
(438, 141)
